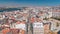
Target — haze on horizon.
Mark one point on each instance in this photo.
(17, 3)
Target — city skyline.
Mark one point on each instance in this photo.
(4, 3)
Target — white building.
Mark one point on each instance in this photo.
(56, 14)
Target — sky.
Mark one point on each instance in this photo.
(29, 3)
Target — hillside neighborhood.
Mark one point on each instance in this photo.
(30, 20)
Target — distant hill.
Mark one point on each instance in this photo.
(8, 9)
